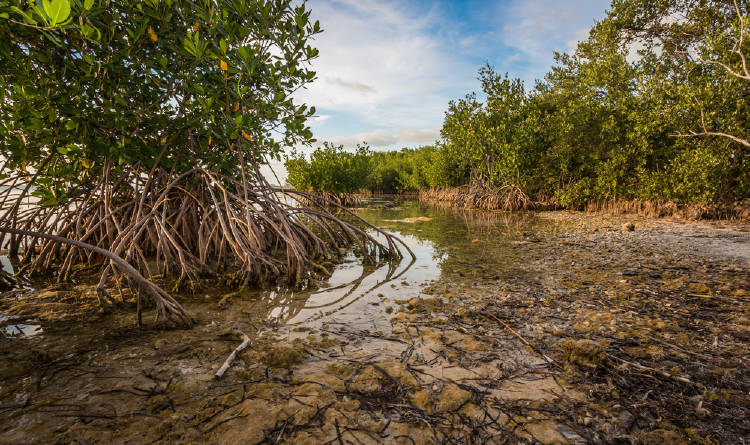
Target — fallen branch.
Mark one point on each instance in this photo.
(228, 362)
(657, 371)
(547, 359)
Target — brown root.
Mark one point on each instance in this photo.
(168, 309)
(183, 226)
(480, 196)
(324, 198)
(660, 208)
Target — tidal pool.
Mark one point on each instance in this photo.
(551, 327)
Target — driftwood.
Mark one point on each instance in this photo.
(228, 362)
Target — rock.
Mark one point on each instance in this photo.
(570, 435)
(625, 421)
(660, 437)
(369, 380)
(628, 227)
(451, 398)
(584, 352)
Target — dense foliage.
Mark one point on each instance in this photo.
(653, 105)
(331, 168)
(84, 83)
(140, 127)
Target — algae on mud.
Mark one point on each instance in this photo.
(650, 328)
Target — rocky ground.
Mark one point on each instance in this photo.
(576, 330)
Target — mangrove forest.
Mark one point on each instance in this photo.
(196, 247)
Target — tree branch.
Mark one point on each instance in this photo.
(714, 133)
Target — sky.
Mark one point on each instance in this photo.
(387, 69)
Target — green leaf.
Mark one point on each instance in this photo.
(223, 46)
(57, 10)
(88, 4)
(62, 150)
(26, 15)
(4, 15)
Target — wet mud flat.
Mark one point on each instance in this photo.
(508, 328)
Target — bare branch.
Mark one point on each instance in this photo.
(745, 74)
(744, 142)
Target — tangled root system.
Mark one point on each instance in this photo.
(140, 225)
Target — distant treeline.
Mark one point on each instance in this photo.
(333, 169)
(653, 105)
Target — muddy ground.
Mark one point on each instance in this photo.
(546, 327)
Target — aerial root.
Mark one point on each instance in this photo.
(481, 196)
(168, 309)
(186, 226)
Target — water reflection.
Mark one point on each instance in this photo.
(444, 241)
(11, 328)
(447, 243)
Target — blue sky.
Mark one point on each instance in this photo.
(387, 69)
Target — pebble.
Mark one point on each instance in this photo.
(628, 227)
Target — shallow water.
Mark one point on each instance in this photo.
(461, 243)
(356, 296)
(359, 353)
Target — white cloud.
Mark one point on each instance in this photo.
(383, 138)
(394, 65)
(537, 29)
(381, 64)
(356, 86)
(318, 120)
(419, 136)
(377, 138)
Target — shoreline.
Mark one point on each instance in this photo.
(554, 327)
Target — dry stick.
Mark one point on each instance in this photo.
(233, 355)
(549, 360)
(658, 371)
(161, 298)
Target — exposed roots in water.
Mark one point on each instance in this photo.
(660, 208)
(138, 227)
(480, 196)
(168, 309)
(325, 198)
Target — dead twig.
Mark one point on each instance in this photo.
(505, 325)
(233, 355)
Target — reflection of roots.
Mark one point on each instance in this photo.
(286, 300)
(188, 225)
